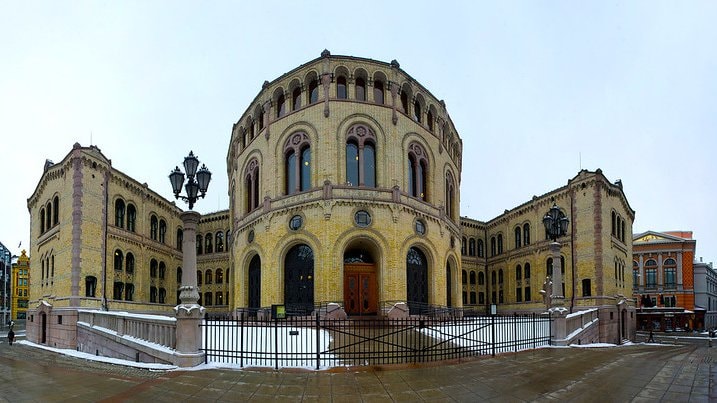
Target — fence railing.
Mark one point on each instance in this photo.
(313, 342)
(155, 329)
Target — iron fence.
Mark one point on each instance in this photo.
(313, 342)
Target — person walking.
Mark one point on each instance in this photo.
(10, 336)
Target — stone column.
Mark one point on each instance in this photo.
(558, 312)
(189, 314)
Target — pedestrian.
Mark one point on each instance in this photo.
(652, 338)
(10, 336)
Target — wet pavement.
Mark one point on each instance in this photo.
(638, 373)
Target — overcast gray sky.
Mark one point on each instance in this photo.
(536, 89)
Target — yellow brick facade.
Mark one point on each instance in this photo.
(20, 286)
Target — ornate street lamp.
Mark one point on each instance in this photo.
(189, 313)
(556, 226)
(194, 188)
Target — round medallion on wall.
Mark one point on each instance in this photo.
(362, 218)
(420, 227)
(296, 222)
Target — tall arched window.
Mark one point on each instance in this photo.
(162, 270)
(378, 92)
(153, 266)
(299, 279)
(313, 91)
(162, 231)
(430, 120)
(416, 281)
(280, 106)
(417, 171)
(464, 246)
(670, 267)
(55, 210)
(518, 233)
(119, 213)
(297, 163)
(450, 196)
(208, 277)
(526, 234)
(129, 264)
(219, 241)
(500, 243)
(199, 277)
(471, 247)
(404, 101)
(360, 156)
(481, 248)
(48, 218)
(200, 244)
(153, 227)
(254, 285)
(614, 223)
(118, 260)
(251, 182)
(131, 217)
(296, 99)
(42, 220)
(180, 239)
(417, 111)
(208, 243)
(341, 88)
(492, 246)
(219, 276)
(360, 89)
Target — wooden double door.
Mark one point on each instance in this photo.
(360, 289)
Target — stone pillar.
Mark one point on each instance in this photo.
(189, 314)
(558, 312)
(558, 299)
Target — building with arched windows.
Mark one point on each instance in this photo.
(344, 183)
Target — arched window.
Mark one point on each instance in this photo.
(297, 163)
(360, 89)
(162, 231)
(119, 213)
(129, 292)
(416, 281)
(472, 277)
(518, 232)
(42, 220)
(378, 92)
(526, 271)
(180, 239)
(207, 298)
(492, 246)
(208, 277)
(518, 273)
(404, 101)
(129, 264)
(614, 223)
(481, 278)
(199, 277)
(117, 290)
(55, 210)
(200, 245)
(670, 267)
(219, 241)
(471, 247)
(152, 294)
(464, 277)
(481, 249)
(153, 227)
(450, 196)
(417, 171)
(251, 181)
(162, 270)
(179, 275)
(296, 99)
(208, 244)
(299, 279)
(131, 217)
(500, 276)
(417, 111)
(162, 295)
(280, 106)
(219, 300)
(48, 218)
(341, 88)
(526, 234)
(361, 156)
(254, 284)
(500, 243)
(464, 246)
(219, 276)
(651, 273)
(119, 260)
(153, 265)
(313, 91)
(429, 120)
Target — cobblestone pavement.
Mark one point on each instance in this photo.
(639, 373)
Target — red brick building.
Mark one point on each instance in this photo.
(663, 281)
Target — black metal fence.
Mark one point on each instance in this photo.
(312, 342)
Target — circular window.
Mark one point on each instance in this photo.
(296, 222)
(420, 227)
(250, 237)
(362, 218)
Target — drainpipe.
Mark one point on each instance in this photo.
(572, 249)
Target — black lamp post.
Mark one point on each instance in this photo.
(194, 188)
(556, 226)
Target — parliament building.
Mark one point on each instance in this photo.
(344, 186)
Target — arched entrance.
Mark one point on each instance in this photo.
(416, 281)
(449, 286)
(254, 285)
(360, 285)
(299, 280)
(43, 328)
